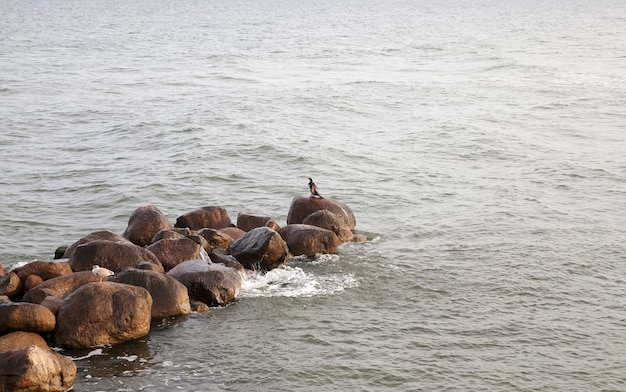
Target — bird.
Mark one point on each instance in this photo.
(313, 189)
(101, 272)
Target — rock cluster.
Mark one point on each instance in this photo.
(161, 270)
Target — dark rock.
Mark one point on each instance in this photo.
(144, 223)
(20, 339)
(211, 216)
(261, 249)
(220, 256)
(302, 206)
(169, 296)
(329, 221)
(215, 239)
(59, 287)
(170, 234)
(36, 369)
(52, 303)
(11, 285)
(44, 269)
(26, 317)
(233, 232)
(104, 235)
(103, 313)
(108, 254)
(173, 252)
(213, 284)
(309, 240)
(247, 222)
(60, 252)
(148, 266)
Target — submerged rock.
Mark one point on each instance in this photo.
(36, 369)
(144, 223)
(213, 284)
(261, 249)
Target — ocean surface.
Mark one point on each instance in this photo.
(481, 145)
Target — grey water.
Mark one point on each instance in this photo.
(481, 145)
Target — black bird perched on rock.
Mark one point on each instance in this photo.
(313, 189)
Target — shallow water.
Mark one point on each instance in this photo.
(480, 145)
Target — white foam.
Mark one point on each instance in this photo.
(93, 353)
(129, 358)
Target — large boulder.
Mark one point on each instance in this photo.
(329, 221)
(260, 249)
(44, 269)
(36, 369)
(213, 284)
(309, 240)
(211, 216)
(247, 222)
(11, 285)
(20, 339)
(302, 206)
(215, 239)
(144, 223)
(103, 313)
(60, 287)
(169, 296)
(104, 235)
(26, 317)
(174, 251)
(234, 232)
(108, 254)
(171, 234)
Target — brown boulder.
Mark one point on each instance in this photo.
(26, 317)
(104, 235)
(302, 206)
(103, 313)
(215, 239)
(144, 223)
(260, 249)
(45, 269)
(213, 284)
(309, 240)
(108, 254)
(211, 216)
(35, 369)
(59, 287)
(32, 281)
(52, 303)
(172, 233)
(173, 252)
(20, 339)
(11, 285)
(247, 222)
(233, 232)
(329, 221)
(169, 296)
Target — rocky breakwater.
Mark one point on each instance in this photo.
(159, 270)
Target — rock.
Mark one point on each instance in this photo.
(213, 284)
(200, 307)
(309, 240)
(11, 285)
(20, 339)
(171, 234)
(95, 236)
(60, 252)
(359, 238)
(329, 221)
(215, 239)
(169, 296)
(35, 369)
(144, 223)
(247, 222)
(5, 299)
(103, 313)
(233, 232)
(173, 252)
(212, 217)
(272, 225)
(52, 303)
(32, 281)
(260, 249)
(111, 255)
(59, 287)
(147, 266)
(220, 256)
(26, 317)
(3, 270)
(45, 269)
(302, 206)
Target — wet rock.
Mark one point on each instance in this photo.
(302, 206)
(20, 339)
(103, 313)
(103, 235)
(309, 240)
(59, 287)
(220, 256)
(200, 307)
(169, 296)
(211, 216)
(26, 317)
(170, 234)
(60, 252)
(108, 254)
(45, 269)
(35, 369)
(213, 284)
(329, 221)
(261, 249)
(247, 222)
(215, 239)
(144, 223)
(173, 252)
(233, 232)
(11, 285)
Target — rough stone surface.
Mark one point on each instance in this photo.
(211, 216)
(200, 307)
(11, 285)
(220, 256)
(173, 252)
(215, 239)
(45, 269)
(20, 339)
(247, 222)
(108, 254)
(213, 284)
(171, 234)
(302, 206)
(309, 240)
(103, 313)
(144, 223)
(26, 317)
(32, 281)
(169, 296)
(329, 221)
(104, 235)
(59, 287)
(260, 249)
(36, 369)
(52, 303)
(233, 232)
